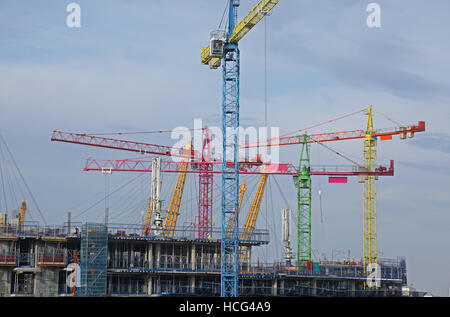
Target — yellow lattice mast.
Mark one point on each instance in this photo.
(370, 196)
(23, 210)
(242, 189)
(148, 218)
(175, 201)
(251, 217)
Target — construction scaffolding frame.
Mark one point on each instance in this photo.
(93, 261)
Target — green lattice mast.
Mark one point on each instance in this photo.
(304, 204)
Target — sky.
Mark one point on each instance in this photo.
(134, 66)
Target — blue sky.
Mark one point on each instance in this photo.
(135, 66)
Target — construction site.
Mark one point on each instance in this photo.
(213, 253)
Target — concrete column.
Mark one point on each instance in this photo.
(274, 287)
(158, 287)
(281, 287)
(193, 258)
(352, 287)
(192, 282)
(158, 254)
(150, 255)
(149, 284)
(249, 266)
(314, 286)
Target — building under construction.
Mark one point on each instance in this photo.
(169, 259)
(163, 257)
(117, 260)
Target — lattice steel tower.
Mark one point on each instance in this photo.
(370, 195)
(304, 204)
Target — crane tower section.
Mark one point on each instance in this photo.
(369, 195)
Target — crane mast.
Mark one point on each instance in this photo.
(154, 205)
(229, 271)
(242, 190)
(304, 204)
(23, 210)
(369, 196)
(170, 222)
(224, 51)
(205, 190)
(251, 217)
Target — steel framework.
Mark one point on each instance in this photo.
(205, 193)
(369, 196)
(93, 261)
(304, 204)
(229, 271)
(175, 201)
(251, 217)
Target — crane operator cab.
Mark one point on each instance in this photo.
(217, 43)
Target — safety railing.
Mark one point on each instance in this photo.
(34, 229)
(8, 258)
(53, 258)
(388, 270)
(185, 232)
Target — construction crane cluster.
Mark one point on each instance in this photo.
(223, 51)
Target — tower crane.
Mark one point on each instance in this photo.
(205, 179)
(251, 217)
(202, 162)
(22, 212)
(370, 136)
(154, 204)
(242, 190)
(302, 175)
(174, 206)
(205, 184)
(223, 49)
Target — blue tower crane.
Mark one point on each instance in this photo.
(224, 50)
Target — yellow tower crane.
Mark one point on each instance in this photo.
(23, 210)
(174, 207)
(230, 226)
(148, 218)
(251, 217)
(370, 195)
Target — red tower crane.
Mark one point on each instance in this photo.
(204, 169)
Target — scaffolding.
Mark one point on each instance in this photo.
(93, 262)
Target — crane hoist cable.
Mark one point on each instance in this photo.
(23, 179)
(113, 192)
(307, 128)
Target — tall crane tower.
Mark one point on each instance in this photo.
(224, 50)
(370, 254)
